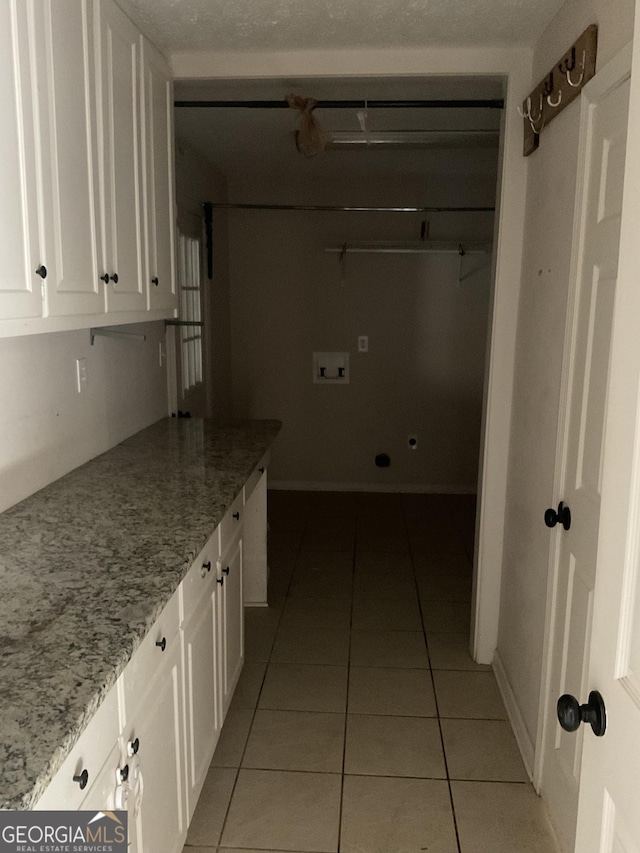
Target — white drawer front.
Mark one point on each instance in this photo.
(88, 756)
(148, 658)
(200, 579)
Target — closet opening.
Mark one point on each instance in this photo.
(353, 291)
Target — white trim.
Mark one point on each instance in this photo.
(613, 74)
(406, 488)
(523, 739)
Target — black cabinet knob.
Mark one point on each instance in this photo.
(261, 470)
(82, 779)
(220, 581)
(123, 773)
(562, 516)
(226, 570)
(107, 278)
(155, 281)
(42, 271)
(162, 644)
(236, 515)
(114, 277)
(132, 747)
(207, 565)
(571, 713)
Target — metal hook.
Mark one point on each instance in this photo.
(568, 66)
(526, 114)
(533, 121)
(569, 70)
(556, 103)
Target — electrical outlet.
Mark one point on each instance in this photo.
(81, 375)
(412, 442)
(363, 343)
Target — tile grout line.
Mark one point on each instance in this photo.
(346, 707)
(433, 685)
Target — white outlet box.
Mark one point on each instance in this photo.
(81, 375)
(363, 343)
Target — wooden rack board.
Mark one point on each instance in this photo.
(559, 88)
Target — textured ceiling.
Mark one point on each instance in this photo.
(266, 25)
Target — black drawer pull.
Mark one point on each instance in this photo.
(42, 271)
(82, 779)
(162, 644)
(155, 280)
(133, 746)
(226, 570)
(220, 581)
(236, 515)
(123, 773)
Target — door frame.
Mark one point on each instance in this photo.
(609, 77)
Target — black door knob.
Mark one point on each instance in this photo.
(571, 713)
(82, 779)
(562, 516)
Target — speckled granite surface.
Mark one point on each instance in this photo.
(86, 566)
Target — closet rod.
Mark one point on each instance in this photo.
(331, 208)
(478, 103)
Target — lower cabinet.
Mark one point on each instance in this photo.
(201, 673)
(231, 610)
(156, 797)
(148, 748)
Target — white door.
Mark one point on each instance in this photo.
(64, 58)
(20, 255)
(231, 621)
(159, 190)
(585, 382)
(609, 813)
(121, 165)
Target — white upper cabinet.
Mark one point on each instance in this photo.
(20, 256)
(86, 169)
(120, 132)
(159, 189)
(64, 52)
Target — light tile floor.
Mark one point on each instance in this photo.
(360, 723)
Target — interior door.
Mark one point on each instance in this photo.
(609, 817)
(585, 387)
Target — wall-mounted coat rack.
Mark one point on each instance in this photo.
(559, 88)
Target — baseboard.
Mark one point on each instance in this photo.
(525, 744)
(406, 488)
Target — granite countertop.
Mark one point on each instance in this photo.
(87, 565)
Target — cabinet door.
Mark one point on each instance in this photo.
(204, 716)
(64, 50)
(232, 621)
(102, 794)
(120, 100)
(160, 824)
(20, 287)
(159, 181)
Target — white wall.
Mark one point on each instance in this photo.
(424, 370)
(199, 181)
(47, 428)
(539, 351)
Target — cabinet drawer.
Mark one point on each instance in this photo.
(148, 657)
(253, 480)
(200, 579)
(231, 524)
(89, 754)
